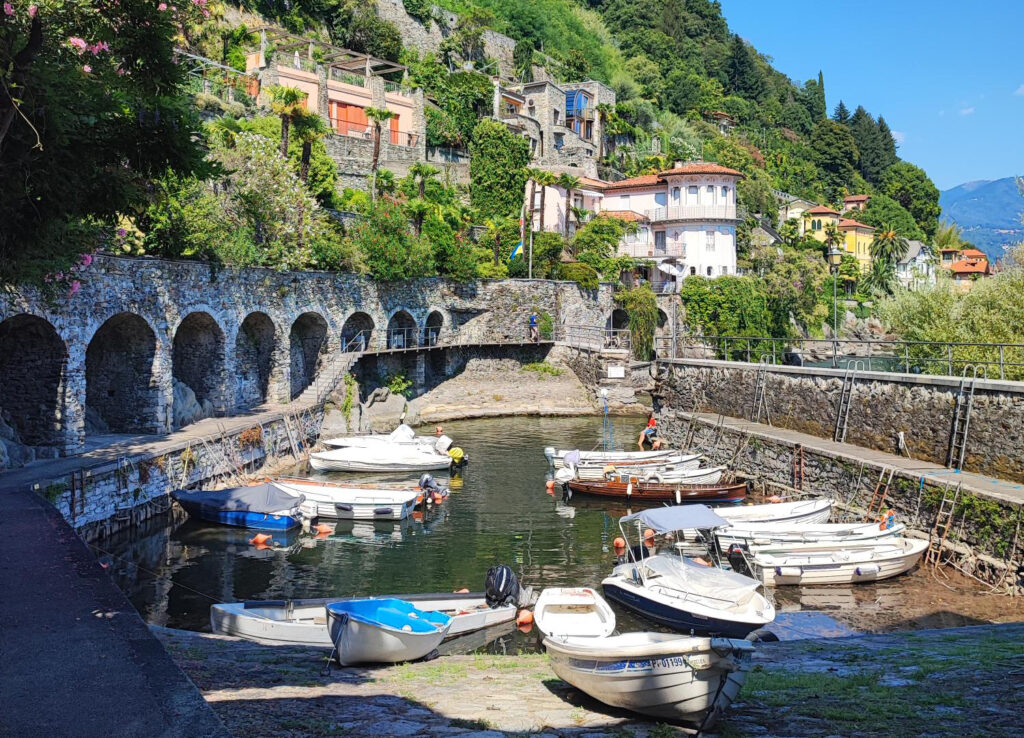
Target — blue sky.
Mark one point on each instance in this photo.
(948, 76)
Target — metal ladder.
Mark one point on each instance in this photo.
(962, 419)
(798, 466)
(760, 396)
(845, 400)
(877, 501)
(943, 519)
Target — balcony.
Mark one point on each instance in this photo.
(693, 212)
(648, 250)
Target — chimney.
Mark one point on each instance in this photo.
(678, 163)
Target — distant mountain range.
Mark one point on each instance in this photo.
(988, 211)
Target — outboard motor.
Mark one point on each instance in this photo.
(501, 586)
(737, 559)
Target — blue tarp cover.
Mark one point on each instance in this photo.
(263, 498)
(679, 517)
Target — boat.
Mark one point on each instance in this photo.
(384, 457)
(801, 511)
(636, 490)
(680, 593)
(775, 534)
(868, 563)
(402, 435)
(557, 457)
(263, 506)
(576, 611)
(675, 463)
(686, 679)
(304, 622)
(378, 631)
(356, 502)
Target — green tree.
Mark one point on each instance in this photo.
(742, 71)
(495, 228)
(813, 98)
(883, 210)
(497, 169)
(948, 236)
(888, 246)
(568, 182)
(889, 155)
(309, 129)
(841, 114)
(910, 187)
(880, 279)
(287, 103)
(390, 252)
(377, 116)
(835, 154)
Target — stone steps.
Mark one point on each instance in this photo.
(327, 378)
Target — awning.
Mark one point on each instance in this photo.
(679, 517)
(670, 269)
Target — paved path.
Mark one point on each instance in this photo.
(1000, 489)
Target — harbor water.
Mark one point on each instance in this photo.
(499, 512)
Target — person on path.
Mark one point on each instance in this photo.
(534, 332)
(648, 435)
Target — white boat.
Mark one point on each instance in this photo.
(838, 565)
(776, 534)
(387, 631)
(663, 675)
(385, 457)
(576, 611)
(595, 470)
(684, 477)
(557, 457)
(355, 503)
(801, 511)
(678, 592)
(304, 622)
(403, 435)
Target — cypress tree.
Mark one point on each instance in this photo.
(889, 155)
(744, 77)
(869, 143)
(841, 114)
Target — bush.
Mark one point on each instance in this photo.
(389, 249)
(641, 305)
(583, 274)
(497, 169)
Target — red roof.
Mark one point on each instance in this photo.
(820, 210)
(974, 254)
(647, 180)
(630, 216)
(701, 167)
(970, 266)
(593, 184)
(857, 198)
(847, 223)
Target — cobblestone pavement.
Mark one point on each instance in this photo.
(955, 682)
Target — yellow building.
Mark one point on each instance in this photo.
(857, 238)
(816, 219)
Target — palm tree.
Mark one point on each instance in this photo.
(948, 236)
(287, 102)
(309, 128)
(494, 226)
(532, 176)
(225, 128)
(378, 116)
(418, 208)
(833, 236)
(421, 173)
(888, 246)
(544, 180)
(881, 278)
(569, 183)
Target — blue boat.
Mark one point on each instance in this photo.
(374, 631)
(264, 507)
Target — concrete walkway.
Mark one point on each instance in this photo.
(1000, 489)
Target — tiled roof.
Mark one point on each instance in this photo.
(820, 210)
(647, 180)
(700, 167)
(857, 198)
(592, 184)
(628, 215)
(847, 223)
(974, 254)
(970, 266)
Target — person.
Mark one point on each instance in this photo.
(534, 332)
(648, 434)
(439, 430)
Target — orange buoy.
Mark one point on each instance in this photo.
(417, 515)
(619, 542)
(774, 498)
(260, 539)
(526, 628)
(438, 499)
(550, 484)
(461, 591)
(324, 528)
(524, 617)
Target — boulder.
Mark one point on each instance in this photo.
(187, 409)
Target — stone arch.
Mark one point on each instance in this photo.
(120, 394)
(357, 332)
(401, 330)
(307, 341)
(33, 361)
(618, 320)
(432, 332)
(255, 346)
(198, 363)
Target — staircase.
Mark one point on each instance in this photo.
(334, 368)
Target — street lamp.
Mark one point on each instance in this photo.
(835, 258)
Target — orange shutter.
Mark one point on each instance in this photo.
(394, 131)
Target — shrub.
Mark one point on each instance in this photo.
(583, 274)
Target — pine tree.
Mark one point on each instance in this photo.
(744, 77)
(889, 155)
(841, 114)
(870, 145)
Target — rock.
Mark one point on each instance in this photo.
(94, 423)
(187, 409)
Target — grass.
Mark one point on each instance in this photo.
(434, 671)
(542, 369)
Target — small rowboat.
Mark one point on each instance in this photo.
(556, 457)
(785, 535)
(639, 491)
(385, 457)
(839, 565)
(801, 511)
(383, 631)
(356, 503)
(575, 611)
(597, 470)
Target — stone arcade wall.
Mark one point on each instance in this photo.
(233, 336)
(883, 405)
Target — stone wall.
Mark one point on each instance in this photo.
(233, 338)
(884, 405)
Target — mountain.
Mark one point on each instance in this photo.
(988, 211)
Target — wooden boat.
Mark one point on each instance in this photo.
(841, 565)
(576, 611)
(637, 490)
(557, 457)
(388, 631)
(356, 503)
(679, 678)
(801, 511)
(304, 623)
(820, 534)
(263, 506)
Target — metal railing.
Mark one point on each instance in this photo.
(596, 339)
(693, 212)
(340, 75)
(994, 360)
(447, 154)
(396, 87)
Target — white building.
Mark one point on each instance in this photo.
(917, 267)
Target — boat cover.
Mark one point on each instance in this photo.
(679, 517)
(402, 433)
(704, 581)
(263, 498)
(572, 458)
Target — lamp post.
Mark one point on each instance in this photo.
(835, 258)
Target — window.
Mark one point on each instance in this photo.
(659, 240)
(625, 202)
(725, 270)
(693, 189)
(725, 193)
(709, 240)
(559, 141)
(709, 271)
(675, 194)
(711, 190)
(555, 114)
(693, 271)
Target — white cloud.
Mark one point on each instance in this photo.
(1020, 91)
(967, 111)
(899, 137)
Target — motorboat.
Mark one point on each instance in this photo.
(356, 503)
(558, 457)
(800, 511)
(599, 470)
(677, 591)
(403, 435)
(838, 565)
(636, 490)
(304, 622)
(685, 679)
(777, 534)
(378, 631)
(263, 506)
(385, 457)
(577, 611)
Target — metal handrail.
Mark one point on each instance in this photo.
(596, 339)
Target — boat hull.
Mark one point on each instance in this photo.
(354, 503)
(377, 464)
(677, 617)
(672, 493)
(827, 534)
(286, 520)
(687, 680)
(805, 511)
(860, 565)
(573, 611)
(608, 457)
(360, 641)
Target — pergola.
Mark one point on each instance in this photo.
(331, 56)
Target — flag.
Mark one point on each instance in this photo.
(515, 251)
